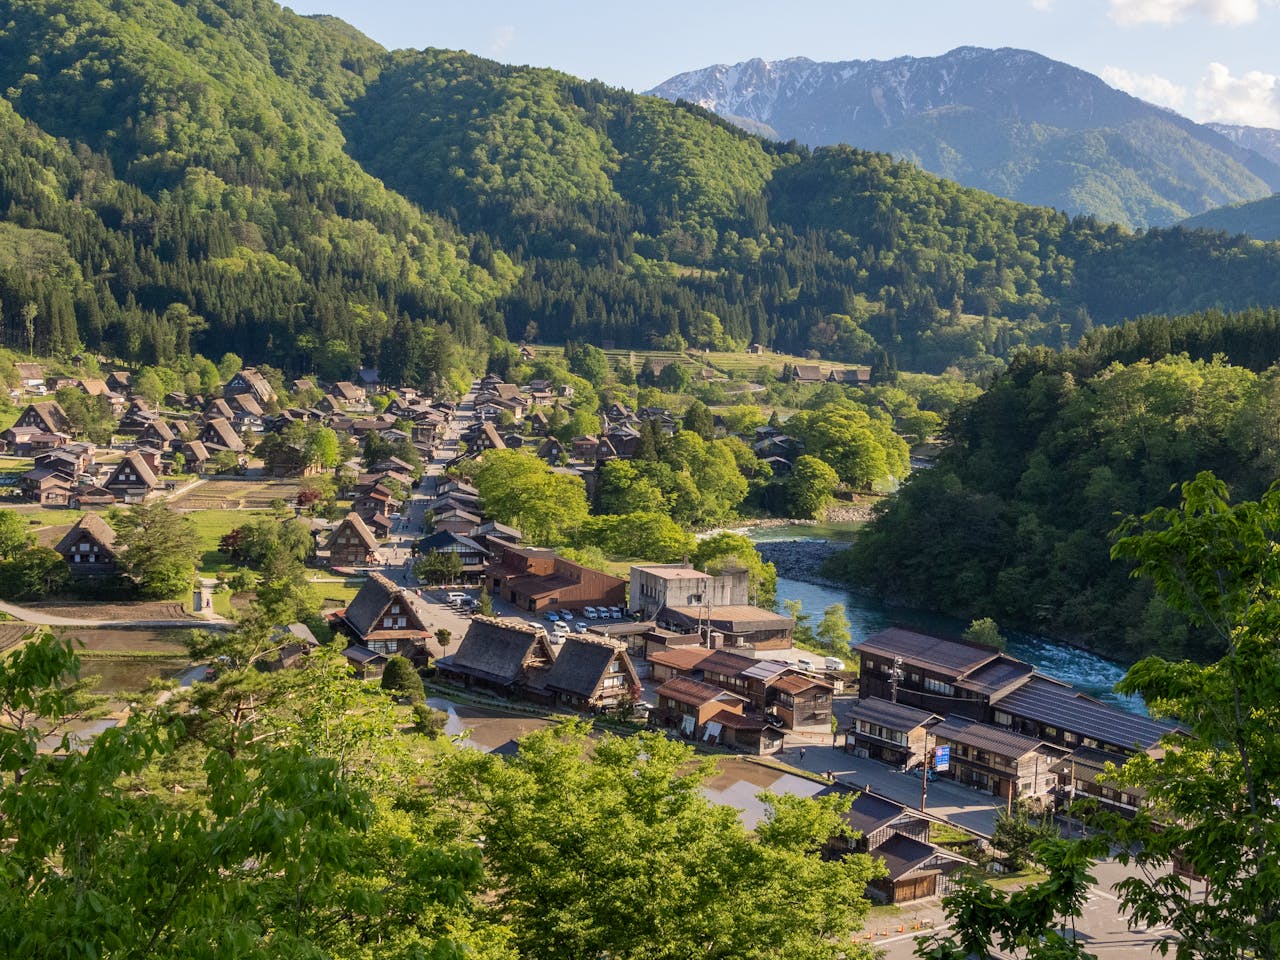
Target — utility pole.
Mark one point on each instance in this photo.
(895, 675)
(924, 772)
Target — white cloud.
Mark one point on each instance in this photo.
(1042, 5)
(502, 37)
(1228, 12)
(1252, 98)
(1149, 86)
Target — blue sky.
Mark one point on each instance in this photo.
(1208, 59)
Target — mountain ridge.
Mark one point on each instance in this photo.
(1061, 136)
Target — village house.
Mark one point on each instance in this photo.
(136, 417)
(52, 480)
(384, 618)
(959, 679)
(46, 416)
(889, 732)
(941, 676)
(801, 702)
(1052, 711)
(352, 544)
(470, 554)
(218, 434)
(30, 377)
(538, 580)
(158, 433)
(592, 674)
(133, 479)
(702, 712)
(249, 380)
(1081, 777)
(900, 838)
(503, 656)
(348, 392)
(196, 454)
(89, 547)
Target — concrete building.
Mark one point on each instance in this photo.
(658, 585)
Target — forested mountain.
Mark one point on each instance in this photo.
(1259, 219)
(1261, 140)
(207, 175)
(1016, 519)
(1009, 121)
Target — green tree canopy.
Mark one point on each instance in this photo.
(159, 548)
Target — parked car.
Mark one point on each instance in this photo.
(833, 663)
(455, 597)
(590, 613)
(536, 625)
(615, 613)
(916, 770)
(804, 663)
(552, 617)
(560, 628)
(468, 603)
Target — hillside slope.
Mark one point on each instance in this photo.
(213, 175)
(1259, 219)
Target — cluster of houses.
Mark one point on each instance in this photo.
(459, 526)
(1008, 729)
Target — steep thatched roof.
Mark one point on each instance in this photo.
(496, 650)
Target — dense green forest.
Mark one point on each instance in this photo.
(1016, 519)
(204, 176)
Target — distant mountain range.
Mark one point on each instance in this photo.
(1009, 121)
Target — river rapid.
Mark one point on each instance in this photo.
(1085, 671)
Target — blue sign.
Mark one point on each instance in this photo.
(942, 758)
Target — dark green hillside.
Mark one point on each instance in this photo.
(313, 200)
(199, 162)
(1259, 219)
(1014, 522)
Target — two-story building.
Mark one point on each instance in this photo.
(941, 676)
(591, 673)
(1006, 764)
(384, 618)
(890, 732)
(507, 657)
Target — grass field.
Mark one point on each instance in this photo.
(211, 527)
(739, 364)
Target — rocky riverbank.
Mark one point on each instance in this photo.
(802, 559)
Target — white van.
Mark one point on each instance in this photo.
(833, 663)
(804, 663)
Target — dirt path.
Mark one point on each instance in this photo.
(27, 615)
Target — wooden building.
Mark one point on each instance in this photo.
(592, 673)
(1008, 765)
(504, 656)
(538, 580)
(89, 547)
(352, 544)
(133, 480)
(385, 618)
(889, 732)
(900, 838)
(941, 676)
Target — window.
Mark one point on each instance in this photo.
(1002, 718)
(937, 686)
(1069, 738)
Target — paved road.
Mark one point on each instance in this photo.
(411, 527)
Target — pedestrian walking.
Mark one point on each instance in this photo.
(802, 754)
